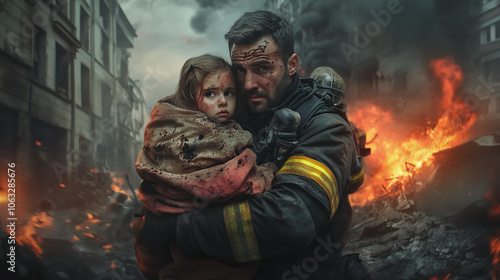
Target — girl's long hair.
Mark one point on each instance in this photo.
(193, 73)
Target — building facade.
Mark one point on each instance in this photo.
(67, 103)
(486, 38)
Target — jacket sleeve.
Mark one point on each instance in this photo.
(305, 195)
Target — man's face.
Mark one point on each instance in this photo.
(261, 75)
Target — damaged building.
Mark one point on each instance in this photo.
(72, 121)
(383, 48)
(68, 105)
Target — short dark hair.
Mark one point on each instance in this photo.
(253, 25)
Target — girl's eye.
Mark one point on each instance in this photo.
(229, 94)
(209, 94)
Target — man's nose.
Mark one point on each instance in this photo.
(250, 81)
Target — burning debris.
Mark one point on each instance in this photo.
(82, 232)
(400, 163)
(427, 208)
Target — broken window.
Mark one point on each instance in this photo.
(85, 87)
(491, 70)
(9, 140)
(106, 101)
(62, 7)
(85, 148)
(62, 70)
(49, 163)
(39, 54)
(105, 49)
(104, 14)
(123, 70)
(84, 29)
(8, 127)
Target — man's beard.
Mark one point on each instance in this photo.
(273, 100)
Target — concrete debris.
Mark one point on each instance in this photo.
(401, 244)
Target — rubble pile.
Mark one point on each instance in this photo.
(435, 227)
(411, 244)
(81, 232)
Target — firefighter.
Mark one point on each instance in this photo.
(298, 229)
(329, 80)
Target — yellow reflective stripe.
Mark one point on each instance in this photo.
(358, 176)
(304, 172)
(239, 228)
(316, 171)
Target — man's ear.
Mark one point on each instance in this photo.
(293, 63)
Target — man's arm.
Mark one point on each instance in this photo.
(304, 197)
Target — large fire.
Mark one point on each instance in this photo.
(28, 235)
(398, 153)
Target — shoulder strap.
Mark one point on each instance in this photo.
(319, 95)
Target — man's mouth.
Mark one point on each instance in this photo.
(256, 98)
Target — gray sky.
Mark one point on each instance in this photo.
(171, 31)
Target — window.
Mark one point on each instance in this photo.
(105, 50)
(106, 100)
(39, 54)
(62, 69)
(85, 151)
(491, 70)
(123, 70)
(104, 14)
(485, 35)
(85, 87)
(84, 29)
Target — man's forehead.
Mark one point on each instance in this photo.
(264, 45)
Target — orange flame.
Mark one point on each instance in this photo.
(495, 249)
(398, 153)
(117, 184)
(437, 278)
(91, 219)
(28, 235)
(108, 247)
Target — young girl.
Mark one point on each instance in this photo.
(193, 153)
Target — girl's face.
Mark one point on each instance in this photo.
(217, 96)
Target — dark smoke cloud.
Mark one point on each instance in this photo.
(435, 28)
(221, 14)
(200, 21)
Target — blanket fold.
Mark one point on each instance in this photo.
(189, 160)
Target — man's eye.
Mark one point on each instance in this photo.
(263, 69)
(209, 94)
(239, 70)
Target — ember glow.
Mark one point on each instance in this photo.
(29, 233)
(400, 153)
(495, 250)
(437, 278)
(91, 219)
(117, 184)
